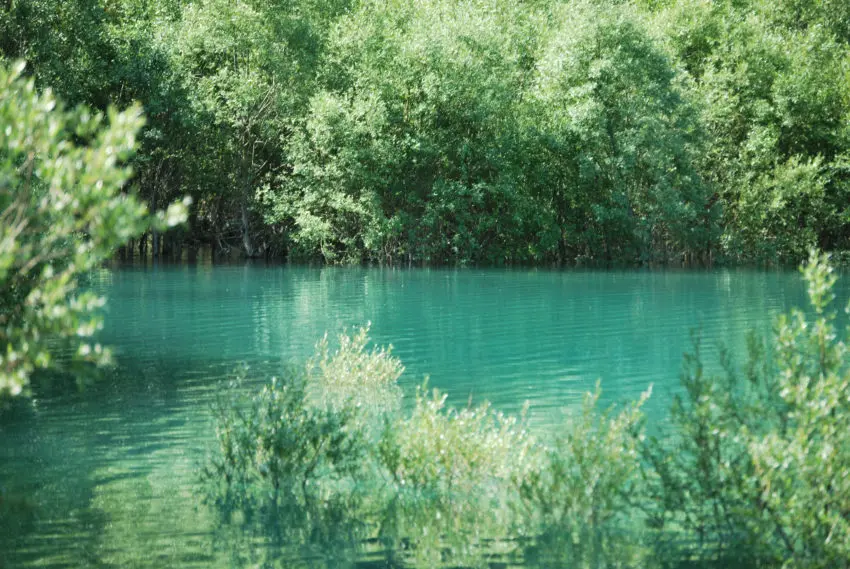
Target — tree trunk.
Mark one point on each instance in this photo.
(154, 232)
(155, 244)
(246, 231)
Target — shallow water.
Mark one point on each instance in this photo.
(108, 477)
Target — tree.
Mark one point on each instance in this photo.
(408, 152)
(615, 142)
(248, 68)
(62, 213)
(770, 81)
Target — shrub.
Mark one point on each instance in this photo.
(589, 480)
(439, 486)
(308, 427)
(277, 440)
(353, 376)
(760, 462)
(454, 474)
(444, 450)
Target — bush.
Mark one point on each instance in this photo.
(62, 213)
(353, 376)
(277, 440)
(444, 451)
(453, 475)
(588, 486)
(760, 461)
(439, 486)
(308, 427)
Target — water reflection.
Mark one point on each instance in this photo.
(414, 531)
(108, 477)
(510, 336)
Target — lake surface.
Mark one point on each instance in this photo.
(107, 478)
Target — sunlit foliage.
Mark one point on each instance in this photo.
(757, 469)
(488, 132)
(355, 376)
(62, 213)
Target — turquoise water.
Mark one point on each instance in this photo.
(108, 477)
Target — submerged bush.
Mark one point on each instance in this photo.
(445, 450)
(756, 471)
(440, 486)
(353, 376)
(760, 464)
(453, 474)
(277, 440)
(307, 426)
(589, 480)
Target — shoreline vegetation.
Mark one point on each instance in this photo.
(753, 472)
(483, 132)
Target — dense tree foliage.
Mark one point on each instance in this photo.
(480, 131)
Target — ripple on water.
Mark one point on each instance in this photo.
(110, 474)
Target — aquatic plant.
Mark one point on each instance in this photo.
(453, 477)
(755, 470)
(441, 450)
(277, 440)
(758, 467)
(587, 487)
(354, 376)
(439, 485)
